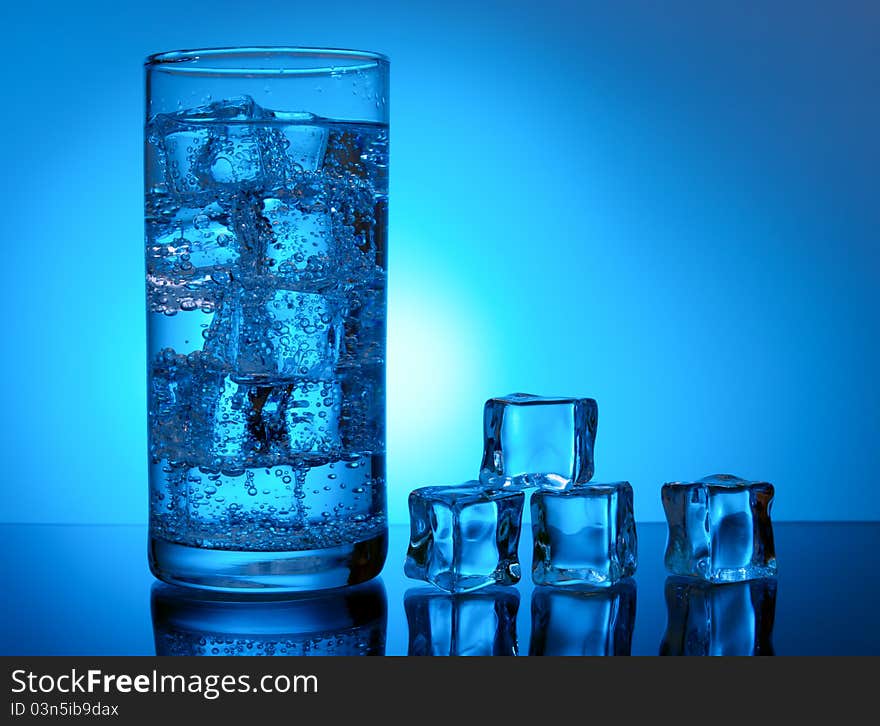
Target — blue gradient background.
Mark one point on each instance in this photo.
(673, 210)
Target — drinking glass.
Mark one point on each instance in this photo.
(266, 203)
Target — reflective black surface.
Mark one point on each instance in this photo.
(85, 590)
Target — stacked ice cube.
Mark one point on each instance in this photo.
(466, 537)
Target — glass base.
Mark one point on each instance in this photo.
(235, 571)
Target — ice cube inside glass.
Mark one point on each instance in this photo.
(719, 529)
(464, 537)
(584, 536)
(538, 441)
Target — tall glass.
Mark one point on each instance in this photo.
(266, 202)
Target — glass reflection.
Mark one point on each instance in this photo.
(346, 621)
(476, 623)
(729, 619)
(583, 621)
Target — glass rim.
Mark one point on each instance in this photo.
(339, 60)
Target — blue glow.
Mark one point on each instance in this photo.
(671, 210)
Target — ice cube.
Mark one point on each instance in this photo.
(538, 441)
(476, 624)
(730, 619)
(220, 425)
(578, 621)
(303, 336)
(189, 239)
(299, 245)
(201, 415)
(271, 336)
(212, 150)
(314, 244)
(181, 149)
(584, 536)
(260, 426)
(465, 537)
(720, 529)
(303, 144)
